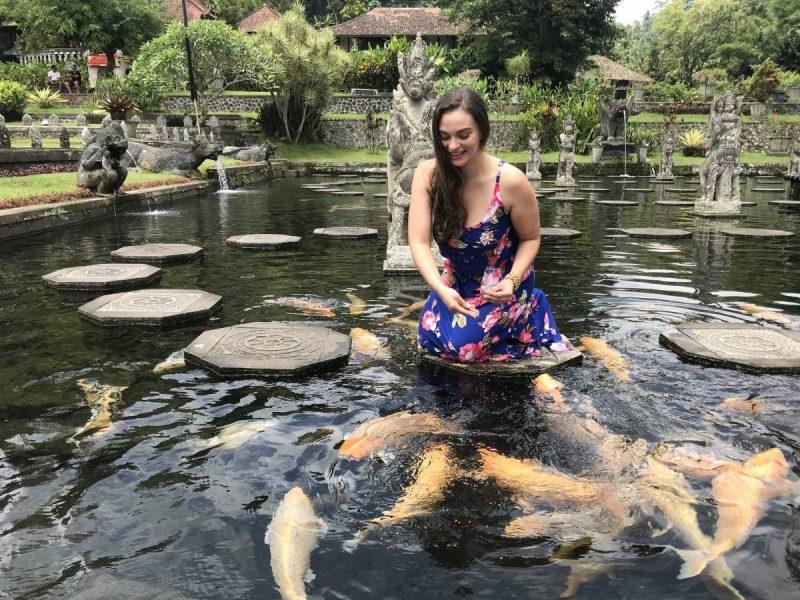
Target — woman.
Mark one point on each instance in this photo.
(484, 306)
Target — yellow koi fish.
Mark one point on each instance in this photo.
(307, 306)
(357, 305)
(99, 397)
(367, 344)
(608, 357)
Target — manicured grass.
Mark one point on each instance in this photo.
(60, 110)
(75, 142)
(323, 153)
(695, 118)
(746, 158)
(521, 156)
(55, 183)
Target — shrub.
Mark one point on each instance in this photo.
(545, 116)
(32, 76)
(789, 79)
(716, 77)
(45, 98)
(669, 92)
(445, 84)
(12, 100)
(693, 141)
(116, 106)
(764, 82)
(640, 134)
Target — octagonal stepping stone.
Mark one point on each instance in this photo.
(326, 190)
(595, 189)
(558, 232)
(268, 349)
(159, 307)
(616, 202)
(551, 190)
(736, 345)
(663, 181)
(768, 189)
(348, 193)
(679, 190)
(531, 367)
(346, 233)
(157, 254)
(754, 232)
(316, 186)
(265, 241)
(103, 277)
(657, 232)
(790, 203)
(748, 203)
(374, 180)
(381, 195)
(675, 202)
(568, 198)
(583, 181)
(631, 189)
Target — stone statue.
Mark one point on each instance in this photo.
(408, 138)
(371, 127)
(187, 122)
(27, 120)
(794, 158)
(534, 155)
(136, 120)
(250, 153)
(99, 167)
(53, 120)
(611, 114)
(80, 121)
(124, 127)
(5, 136)
(566, 157)
(176, 134)
(161, 124)
(106, 121)
(86, 136)
(36, 136)
(63, 137)
(667, 149)
(172, 157)
(153, 134)
(719, 175)
(187, 137)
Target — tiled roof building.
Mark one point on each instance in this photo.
(253, 22)
(379, 24)
(195, 9)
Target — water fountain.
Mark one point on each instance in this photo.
(222, 176)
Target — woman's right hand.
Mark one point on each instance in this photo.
(456, 304)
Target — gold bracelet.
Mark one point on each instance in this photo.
(515, 279)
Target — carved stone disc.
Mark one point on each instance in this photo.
(157, 254)
(104, 277)
(381, 195)
(151, 307)
(745, 346)
(595, 189)
(634, 189)
(346, 233)
(265, 241)
(657, 232)
(616, 202)
(559, 232)
(755, 232)
(268, 349)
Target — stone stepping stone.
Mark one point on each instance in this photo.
(157, 254)
(559, 232)
(551, 190)
(531, 367)
(103, 277)
(675, 202)
(348, 193)
(582, 181)
(748, 203)
(568, 198)
(326, 190)
(265, 241)
(346, 233)
(753, 232)
(678, 190)
(381, 195)
(616, 202)
(315, 186)
(657, 232)
(792, 203)
(159, 307)
(595, 189)
(374, 180)
(625, 181)
(630, 189)
(768, 189)
(262, 348)
(735, 345)
(766, 177)
(664, 181)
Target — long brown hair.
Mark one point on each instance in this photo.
(447, 184)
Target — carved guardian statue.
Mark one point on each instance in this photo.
(99, 168)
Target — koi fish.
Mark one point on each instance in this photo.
(545, 385)
(357, 305)
(751, 405)
(99, 397)
(608, 357)
(291, 536)
(367, 344)
(237, 434)
(694, 461)
(307, 306)
(765, 313)
(407, 311)
(173, 362)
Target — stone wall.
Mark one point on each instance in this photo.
(360, 104)
(780, 108)
(228, 102)
(351, 133)
(755, 136)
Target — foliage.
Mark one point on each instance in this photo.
(518, 66)
(642, 135)
(223, 58)
(789, 79)
(716, 77)
(45, 98)
(736, 58)
(145, 96)
(103, 25)
(308, 65)
(764, 82)
(350, 9)
(233, 11)
(693, 141)
(669, 92)
(12, 100)
(445, 84)
(32, 76)
(116, 106)
(557, 35)
(545, 117)
(787, 53)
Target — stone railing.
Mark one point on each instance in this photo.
(755, 136)
(51, 56)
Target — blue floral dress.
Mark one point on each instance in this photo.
(481, 256)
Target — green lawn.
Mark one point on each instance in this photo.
(694, 118)
(75, 141)
(54, 183)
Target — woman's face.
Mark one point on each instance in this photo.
(460, 137)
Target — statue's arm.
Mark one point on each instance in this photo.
(94, 159)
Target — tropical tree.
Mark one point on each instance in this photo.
(308, 64)
(222, 57)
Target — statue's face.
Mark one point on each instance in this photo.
(415, 80)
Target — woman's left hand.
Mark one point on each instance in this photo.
(502, 293)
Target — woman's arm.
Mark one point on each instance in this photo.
(520, 200)
(419, 240)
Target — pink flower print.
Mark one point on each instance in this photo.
(429, 320)
(533, 352)
(546, 322)
(525, 336)
(517, 309)
(491, 277)
(496, 339)
(491, 319)
(558, 347)
(487, 237)
(476, 352)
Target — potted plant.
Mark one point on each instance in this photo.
(710, 81)
(694, 142)
(761, 86)
(790, 82)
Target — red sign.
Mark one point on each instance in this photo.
(97, 60)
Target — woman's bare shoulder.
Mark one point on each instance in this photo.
(426, 166)
(513, 183)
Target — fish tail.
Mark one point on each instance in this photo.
(352, 544)
(694, 562)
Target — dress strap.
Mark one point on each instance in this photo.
(499, 166)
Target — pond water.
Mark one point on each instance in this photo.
(144, 509)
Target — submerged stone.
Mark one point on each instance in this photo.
(346, 233)
(558, 232)
(103, 277)
(755, 232)
(159, 307)
(264, 241)
(159, 254)
(657, 232)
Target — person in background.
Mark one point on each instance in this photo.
(54, 79)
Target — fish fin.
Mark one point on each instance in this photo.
(694, 562)
(309, 576)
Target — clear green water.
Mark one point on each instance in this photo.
(142, 511)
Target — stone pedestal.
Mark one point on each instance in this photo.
(399, 262)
